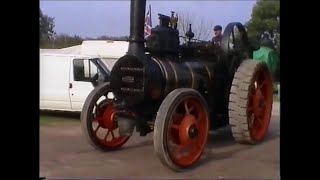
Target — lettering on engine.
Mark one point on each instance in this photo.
(128, 79)
(132, 69)
(132, 90)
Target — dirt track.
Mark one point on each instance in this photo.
(65, 153)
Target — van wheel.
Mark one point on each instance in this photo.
(98, 120)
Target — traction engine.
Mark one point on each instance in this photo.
(180, 91)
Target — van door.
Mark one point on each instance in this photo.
(54, 82)
(80, 86)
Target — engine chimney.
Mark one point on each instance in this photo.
(137, 18)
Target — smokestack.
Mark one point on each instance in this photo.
(137, 18)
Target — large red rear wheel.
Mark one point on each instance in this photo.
(99, 120)
(181, 129)
(251, 101)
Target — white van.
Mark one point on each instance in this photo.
(66, 80)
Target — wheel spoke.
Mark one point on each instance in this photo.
(175, 126)
(262, 84)
(262, 97)
(258, 121)
(252, 91)
(185, 150)
(98, 119)
(251, 120)
(105, 137)
(256, 112)
(112, 134)
(191, 109)
(179, 151)
(264, 102)
(260, 112)
(95, 131)
(198, 147)
(186, 107)
(92, 118)
(177, 117)
(233, 39)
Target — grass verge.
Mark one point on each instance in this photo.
(53, 118)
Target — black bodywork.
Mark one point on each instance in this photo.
(155, 66)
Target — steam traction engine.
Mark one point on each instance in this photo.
(180, 92)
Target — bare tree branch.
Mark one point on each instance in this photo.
(202, 29)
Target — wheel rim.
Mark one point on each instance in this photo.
(105, 128)
(187, 132)
(260, 105)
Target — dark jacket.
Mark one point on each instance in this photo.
(217, 39)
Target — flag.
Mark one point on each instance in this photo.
(147, 23)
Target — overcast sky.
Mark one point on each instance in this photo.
(105, 17)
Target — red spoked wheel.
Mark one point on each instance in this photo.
(251, 99)
(260, 105)
(98, 120)
(181, 129)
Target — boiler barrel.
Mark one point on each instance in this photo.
(194, 74)
(135, 80)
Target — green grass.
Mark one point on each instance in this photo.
(54, 118)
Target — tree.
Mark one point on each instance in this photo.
(113, 38)
(46, 24)
(201, 28)
(265, 17)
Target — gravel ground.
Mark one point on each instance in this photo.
(65, 153)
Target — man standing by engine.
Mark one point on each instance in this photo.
(216, 40)
(269, 55)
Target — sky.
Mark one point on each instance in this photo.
(112, 18)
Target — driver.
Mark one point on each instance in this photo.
(217, 30)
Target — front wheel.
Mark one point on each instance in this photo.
(99, 123)
(181, 129)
